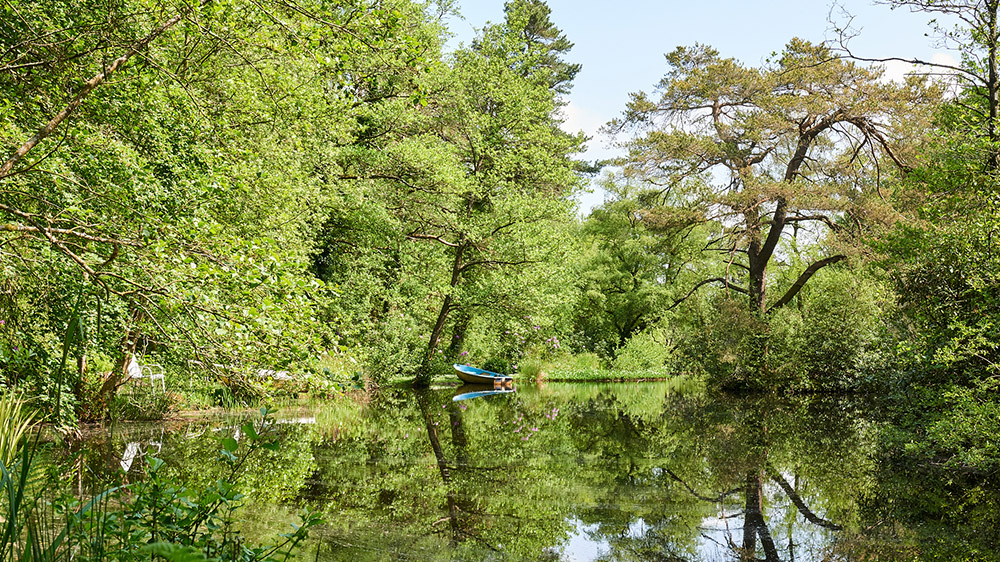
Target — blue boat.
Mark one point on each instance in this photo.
(473, 375)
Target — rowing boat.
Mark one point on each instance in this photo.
(473, 375)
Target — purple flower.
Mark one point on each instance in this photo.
(463, 354)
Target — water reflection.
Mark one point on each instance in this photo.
(653, 471)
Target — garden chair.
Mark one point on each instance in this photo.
(136, 370)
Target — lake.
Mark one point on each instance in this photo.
(581, 472)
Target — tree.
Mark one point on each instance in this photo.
(156, 181)
(541, 45)
(944, 262)
(806, 140)
(641, 245)
(474, 177)
(511, 174)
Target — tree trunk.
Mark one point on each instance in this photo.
(992, 86)
(753, 521)
(443, 469)
(424, 374)
(757, 258)
(748, 548)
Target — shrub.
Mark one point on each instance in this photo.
(643, 352)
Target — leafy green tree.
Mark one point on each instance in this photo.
(641, 246)
(467, 179)
(167, 197)
(539, 49)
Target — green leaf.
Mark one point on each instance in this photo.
(251, 431)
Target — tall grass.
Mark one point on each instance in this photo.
(15, 421)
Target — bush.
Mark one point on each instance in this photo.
(395, 351)
(643, 352)
(823, 342)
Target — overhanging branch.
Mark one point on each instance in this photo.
(98, 79)
(725, 283)
(804, 278)
(799, 504)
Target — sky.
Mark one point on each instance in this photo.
(621, 43)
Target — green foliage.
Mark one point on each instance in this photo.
(829, 338)
(644, 352)
(642, 247)
(141, 403)
(944, 265)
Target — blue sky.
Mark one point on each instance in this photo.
(621, 43)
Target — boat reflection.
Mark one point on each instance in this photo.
(469, 391)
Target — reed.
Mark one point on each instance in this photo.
(15, 422)
(18, 482)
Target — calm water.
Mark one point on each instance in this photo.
(623, 472)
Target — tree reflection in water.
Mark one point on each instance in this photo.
(584, 472)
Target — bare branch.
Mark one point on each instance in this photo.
(725, 283)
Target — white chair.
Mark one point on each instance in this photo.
(137, 371)
(276, 375)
